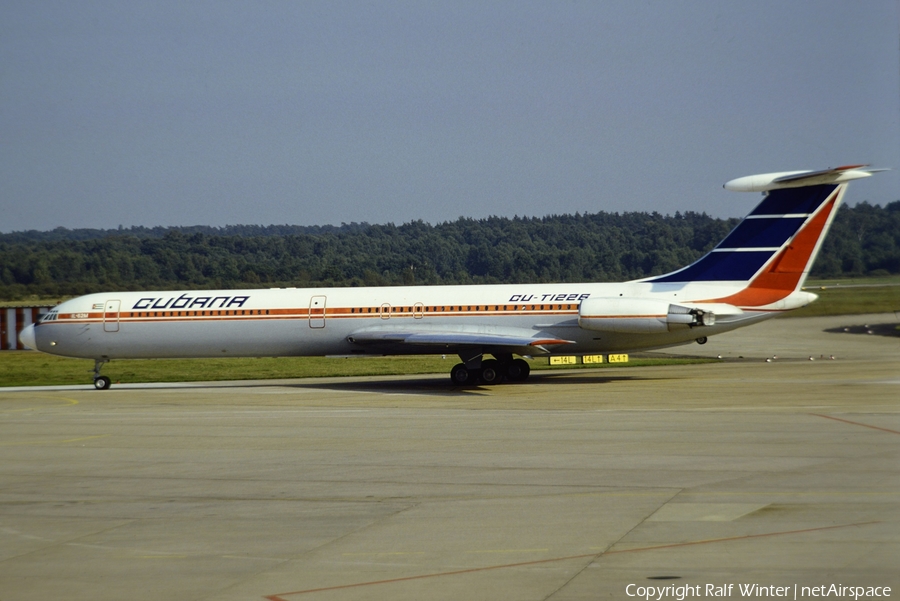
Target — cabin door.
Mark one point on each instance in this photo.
(317, 312)
(111, 316)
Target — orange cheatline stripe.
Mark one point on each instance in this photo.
(847, 421)
(281, 596)
(545, 308)
(340, 313)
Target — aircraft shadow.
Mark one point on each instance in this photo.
(441, 385)
(425, 384)
(876, 329)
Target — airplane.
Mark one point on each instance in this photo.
(755, 273)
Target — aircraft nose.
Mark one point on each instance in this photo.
(26, 337)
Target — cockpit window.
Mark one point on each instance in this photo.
(51, 316)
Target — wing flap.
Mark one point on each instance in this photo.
(509, 337)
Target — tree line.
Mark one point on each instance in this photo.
(597, 247)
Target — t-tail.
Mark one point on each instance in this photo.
(768, 256)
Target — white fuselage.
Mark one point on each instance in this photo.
(322, 321)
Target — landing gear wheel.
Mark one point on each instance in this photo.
(491, 372)
(100, 382)
(518, 370)
(461, 376)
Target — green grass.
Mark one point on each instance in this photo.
(33, 301)
(862, 281)
(843, 297)
(29, 368)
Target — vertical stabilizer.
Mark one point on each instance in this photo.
(774, 247)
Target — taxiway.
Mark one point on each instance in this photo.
(572, 486)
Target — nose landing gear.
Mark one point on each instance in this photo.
(101, 382)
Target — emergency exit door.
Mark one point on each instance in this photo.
(111, 316)
(317, 312)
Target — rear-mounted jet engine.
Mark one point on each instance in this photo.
(640, 316)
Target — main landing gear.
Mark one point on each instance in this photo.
(101, 382)
(490, 371)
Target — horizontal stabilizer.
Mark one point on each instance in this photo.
(799, 179)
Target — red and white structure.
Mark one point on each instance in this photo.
(15, 319)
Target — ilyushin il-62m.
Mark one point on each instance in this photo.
(755, 273)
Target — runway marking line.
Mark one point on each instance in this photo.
(382, 554)
(19, 444)
(67, 400)
(511, 551)
(281, 596)
(847, 421)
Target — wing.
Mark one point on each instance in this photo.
(449, 337)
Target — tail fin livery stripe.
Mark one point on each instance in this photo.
(786, 273)
(794, 200)
(721, 265)
(750, 246)
(764, 232)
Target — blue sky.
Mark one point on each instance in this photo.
(215, 113)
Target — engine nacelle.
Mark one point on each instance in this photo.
(640, 316)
